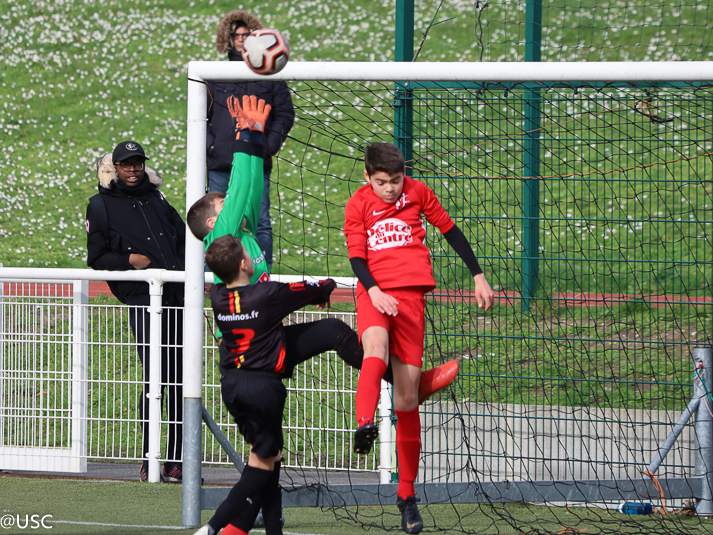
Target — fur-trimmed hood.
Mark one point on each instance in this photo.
(106, 173)
(227, 26)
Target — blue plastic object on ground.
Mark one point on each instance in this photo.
(635, 508)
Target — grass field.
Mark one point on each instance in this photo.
(114, 508)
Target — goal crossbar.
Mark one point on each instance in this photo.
(568, 71)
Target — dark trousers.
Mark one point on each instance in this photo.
(306, 340)
(171, 374)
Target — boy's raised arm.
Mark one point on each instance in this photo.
(244, 194)
(297, 295)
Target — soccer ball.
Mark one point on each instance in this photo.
(266, 51)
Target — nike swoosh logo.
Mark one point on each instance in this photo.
(378, 213)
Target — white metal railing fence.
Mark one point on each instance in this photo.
(42, 411)
(71, 382)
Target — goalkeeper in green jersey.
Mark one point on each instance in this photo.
(236, 212)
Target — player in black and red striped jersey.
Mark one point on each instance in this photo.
(256, 351)
(250, 318)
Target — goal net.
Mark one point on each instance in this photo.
(584, 190)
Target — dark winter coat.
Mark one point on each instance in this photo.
(220, 134)
(140, 222)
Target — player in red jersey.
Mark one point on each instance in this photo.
(386, 234)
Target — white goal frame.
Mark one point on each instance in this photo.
(200, 72)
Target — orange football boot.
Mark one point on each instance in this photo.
(436, 379)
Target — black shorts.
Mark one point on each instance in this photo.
(256, 400)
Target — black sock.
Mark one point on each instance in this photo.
(306, 340)
(242, 495)
(389, 374)
(272, 503)
(246, 519)
(270, 500)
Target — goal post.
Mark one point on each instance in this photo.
(404, 73)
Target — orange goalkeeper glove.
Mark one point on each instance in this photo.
(252, 115)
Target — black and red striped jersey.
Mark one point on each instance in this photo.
(250, 318)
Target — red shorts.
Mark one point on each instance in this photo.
(406, 330)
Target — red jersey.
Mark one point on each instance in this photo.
(391, 237)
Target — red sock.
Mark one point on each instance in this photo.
(230, 529)
(369, 389)
(408, 447)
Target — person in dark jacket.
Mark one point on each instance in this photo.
(140, 230)
(221, 130)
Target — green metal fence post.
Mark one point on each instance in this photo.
(403, 94)
(531, 169)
